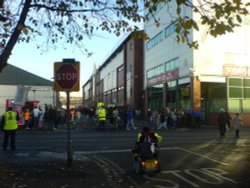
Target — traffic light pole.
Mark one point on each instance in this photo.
(69, 145)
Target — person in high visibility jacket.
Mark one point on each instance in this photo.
(142, 137)
(154, 137)
(10, 125)
(101, 114)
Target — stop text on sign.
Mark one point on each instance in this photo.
(66, 76)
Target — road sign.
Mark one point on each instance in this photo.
(66, 76)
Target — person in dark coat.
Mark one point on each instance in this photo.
(49, 117)
(228, 118)
(222, 121)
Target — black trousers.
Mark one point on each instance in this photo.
(102, 124)
(237, 133)
(12, 135)
(222, 129)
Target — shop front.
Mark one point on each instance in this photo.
(162, 91)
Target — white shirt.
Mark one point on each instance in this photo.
(36, 112)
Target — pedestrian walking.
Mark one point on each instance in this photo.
(110, 115)
(10, 125)
(36, 116)
(117, 118)
(130, 119)
(48, 117)
(56, 119)
(228, 119)
(189, 118)
(163, 121)
(197, 118)
(62, 115)
(237, 122)
(222, 122)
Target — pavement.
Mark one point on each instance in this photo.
(52, 172)
(30, 172)
(19, 171)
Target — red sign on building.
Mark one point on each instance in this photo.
(232, 70)
(66, 76)
(167, 76)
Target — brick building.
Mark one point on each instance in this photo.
(119, 80)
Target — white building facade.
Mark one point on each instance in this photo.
(19, 87)
(214, 76)
(43, 95)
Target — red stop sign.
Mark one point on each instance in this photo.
(66, 76)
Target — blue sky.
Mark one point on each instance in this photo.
(27, 57)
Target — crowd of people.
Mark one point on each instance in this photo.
(37, 118)
(110, 116)
(166, 118)
(115, 117)
(102, 117)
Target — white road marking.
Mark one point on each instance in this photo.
(114, 151)
(176, 173)
(211, 176)
(129, 150)
(174, 185)
(203, 156)
(77, 153)
(22, 154)
(34, 147)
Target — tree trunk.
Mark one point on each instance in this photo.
(15, 36)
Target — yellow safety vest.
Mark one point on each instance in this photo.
(102, 114)
(10, 121)
(159, 138)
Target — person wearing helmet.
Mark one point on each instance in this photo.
(154, 137)
(147, 140)
(101, 115)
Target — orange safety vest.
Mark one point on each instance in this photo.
(26, 116)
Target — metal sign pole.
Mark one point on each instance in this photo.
(66, 75)
(69, 145)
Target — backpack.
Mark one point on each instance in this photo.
(145, 149)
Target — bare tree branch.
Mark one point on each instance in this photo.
(14, 37)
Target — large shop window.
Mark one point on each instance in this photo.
(171, 94)
(246, 105)
(235, 92)
(218, 97)
(155, 71)
(155, 97)
(184, 97)
(239, 95)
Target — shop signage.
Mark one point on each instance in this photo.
(230, 70)
(167, 76)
